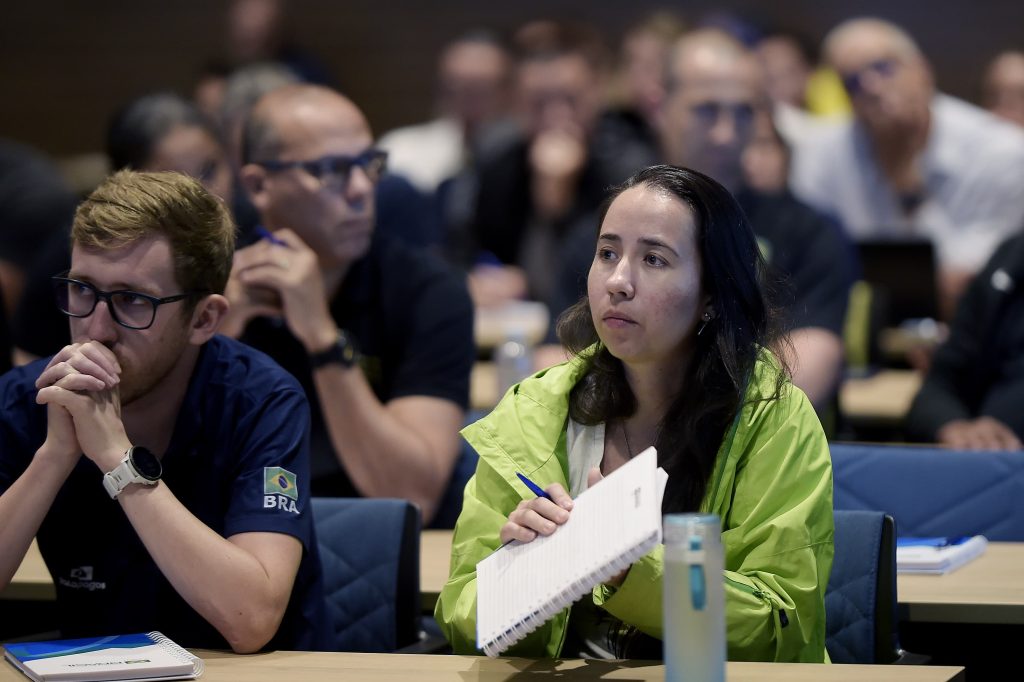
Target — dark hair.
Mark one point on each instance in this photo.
(545, 40)
(138, 127)
(715, 381)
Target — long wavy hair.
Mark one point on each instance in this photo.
(715, 379)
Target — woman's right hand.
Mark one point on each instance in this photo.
(538, 515)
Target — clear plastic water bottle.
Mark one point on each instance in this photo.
(514, 361)
(694, 599)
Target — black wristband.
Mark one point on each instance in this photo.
(342, 352)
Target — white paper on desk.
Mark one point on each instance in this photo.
(937, 560)
(612, 524)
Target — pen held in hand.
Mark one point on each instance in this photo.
(264, 233)
(534, 488)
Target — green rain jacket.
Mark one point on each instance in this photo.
(772, 488)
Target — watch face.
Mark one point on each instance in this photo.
(146, 463)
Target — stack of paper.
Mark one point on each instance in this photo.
(937, 555)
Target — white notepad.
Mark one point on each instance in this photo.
(523, 585)
(937, 555)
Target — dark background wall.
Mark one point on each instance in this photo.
(64, 66)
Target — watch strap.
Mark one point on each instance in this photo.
(123, 475)
(342, 352)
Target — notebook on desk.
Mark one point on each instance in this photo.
(937, 555)
(523, 585)
(903, 277)
(140, 656)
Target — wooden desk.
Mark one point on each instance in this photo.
(882, 397)
(988, 590)
(32, 579)
(295, 665)
(435, 560)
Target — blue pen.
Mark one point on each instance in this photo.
(264, 233)
(534, 488)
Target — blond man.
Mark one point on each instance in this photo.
(163, 468)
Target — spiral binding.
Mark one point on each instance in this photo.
(520, 629)
(178, 652)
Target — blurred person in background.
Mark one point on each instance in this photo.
(155, 132)
(1004, 86)
(716, 118)
(972, 395)
(638, 88)
(35, 206)
(473, 96)
(913, 163)
(255, 32)
(555, 175)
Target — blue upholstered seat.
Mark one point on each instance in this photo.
(934, 491)
(370, 552)
(860, 601)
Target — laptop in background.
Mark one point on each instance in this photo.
(903, 276)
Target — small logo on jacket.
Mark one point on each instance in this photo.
(279, 489)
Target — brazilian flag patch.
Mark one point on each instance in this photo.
(278, 481)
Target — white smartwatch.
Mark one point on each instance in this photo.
(138, 466)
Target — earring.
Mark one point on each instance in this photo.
(705, 318)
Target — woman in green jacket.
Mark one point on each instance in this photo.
(670, 349)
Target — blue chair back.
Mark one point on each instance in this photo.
(934, 491)
(370, 553)
(860, 600)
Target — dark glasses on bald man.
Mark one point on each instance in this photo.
(335, 171)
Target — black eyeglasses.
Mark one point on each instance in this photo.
(881, 67)
(129, 309)
(335, 171)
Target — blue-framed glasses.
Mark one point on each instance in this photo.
(130, 309)
(335, 171)
(853, 81)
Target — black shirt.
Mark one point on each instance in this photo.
(239, 439)
(412, 319)
(979, 370)
(808, 253)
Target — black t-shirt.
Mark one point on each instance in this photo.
(240, 438)
(979, 370)
(412, 319)
(809, 253)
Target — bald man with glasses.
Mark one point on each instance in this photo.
(379, 335)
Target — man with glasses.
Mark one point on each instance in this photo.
(163, 469)
(379, 335)
(912, 163)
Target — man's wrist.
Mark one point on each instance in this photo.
(342, 351)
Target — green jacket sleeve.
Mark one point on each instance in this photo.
(774, 495)
(487, 503)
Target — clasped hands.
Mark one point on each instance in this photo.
(80, 387)
(280, 280)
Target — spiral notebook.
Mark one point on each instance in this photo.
(141, 656)
(523, 585)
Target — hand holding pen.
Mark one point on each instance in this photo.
(540, 515)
